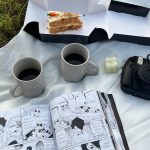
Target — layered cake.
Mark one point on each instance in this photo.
(63, 21)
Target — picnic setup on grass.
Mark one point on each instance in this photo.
(77, 77)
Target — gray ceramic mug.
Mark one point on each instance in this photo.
(32, 86)
(72, 71)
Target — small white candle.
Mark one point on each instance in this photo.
(108, 66)
(111, 65)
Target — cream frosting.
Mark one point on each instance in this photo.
(61, 15)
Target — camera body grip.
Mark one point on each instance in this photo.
(132, 78)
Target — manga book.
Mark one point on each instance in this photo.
(85, 120)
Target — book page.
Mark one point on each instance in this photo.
(27, 128)
(80, 122)
(36, 122)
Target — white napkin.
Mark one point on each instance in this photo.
(42, 3)
(77, 6)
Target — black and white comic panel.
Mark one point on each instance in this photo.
(77, 119)
(47, 144)
(10, 128)
(96, 145)
(36, 122)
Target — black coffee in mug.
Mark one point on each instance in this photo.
(75, 59)
(28, 74)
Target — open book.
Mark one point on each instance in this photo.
(78, 121)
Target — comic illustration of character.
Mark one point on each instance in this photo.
(44, 132)
(86, 103)
(86, 107)
(35, 133)
(29, 148)
(36, 113)
(91, 146)
(47, 133)
(2, 125)
(68, 106)
(39, 145)
(60, 120)
(58, 124)
(30, 135)
(18, 147)
(78, 133)
(15, 133)
(40, 131)
(65, 108)
(3, 134)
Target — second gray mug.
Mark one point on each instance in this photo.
(75, 63)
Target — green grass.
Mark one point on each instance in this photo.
(12, 14)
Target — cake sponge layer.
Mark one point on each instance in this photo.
(64, 21)
(65, 28)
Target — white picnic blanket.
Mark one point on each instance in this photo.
(134, 112)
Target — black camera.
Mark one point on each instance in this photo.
(135, 77)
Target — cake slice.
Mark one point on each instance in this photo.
(63, 21)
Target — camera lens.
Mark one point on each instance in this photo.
(144, 76)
